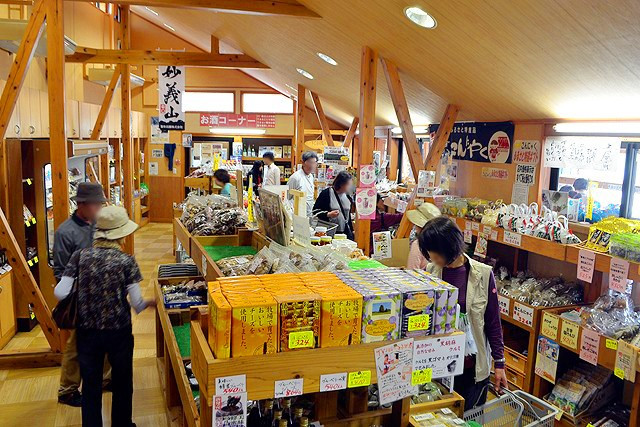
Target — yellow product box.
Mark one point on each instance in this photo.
(341, 320)
(254, 325)
(299, 319)
(219, 325)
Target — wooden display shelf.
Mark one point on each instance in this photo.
(144, 209)
(181, 234)
(203, 183)
(453, 401)
(536, 245)
(603, 261)
(277, 159)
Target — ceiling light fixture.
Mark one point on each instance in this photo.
(598, 127)
(305, 73)
(418, 130)
(169, 26)
(152, 11)
(420, 17)
(327, 59)
(237, 131)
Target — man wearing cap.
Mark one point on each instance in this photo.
(74, 234)
(419, 217)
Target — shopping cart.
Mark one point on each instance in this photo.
(513, 409)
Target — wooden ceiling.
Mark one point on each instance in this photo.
(496, 59)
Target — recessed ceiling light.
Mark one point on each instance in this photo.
(168, 26)
(152, 11)
(327, 59)
(420, 17)
(305, 73)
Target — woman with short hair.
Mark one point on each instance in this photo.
(334, 204)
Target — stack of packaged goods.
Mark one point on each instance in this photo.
(538, 292)
(618, 236)
(444, 417)
(184, 293)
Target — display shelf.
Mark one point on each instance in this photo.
(277, 159)
(181, 234)
(203, 183)
(144, 209)
(453, 401)
(603, 261)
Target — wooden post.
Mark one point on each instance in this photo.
(348, 138)
(402, 112)
(57, 111)
(215, 45)
(239, 188)
(324, 123)
(11, 90)
(299, 140)
(299, 202)
(127, 142)
(368, 80)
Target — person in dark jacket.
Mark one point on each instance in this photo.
(256, 173)
(72, 235)
(383, 220)
(334, 204)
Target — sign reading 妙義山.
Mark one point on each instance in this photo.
(170, 89)
(486, 142)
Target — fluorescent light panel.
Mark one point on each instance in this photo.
(152, 11)
(418, 130)
(168, 26)
(305, 73)
(598, 127)
(237, 131)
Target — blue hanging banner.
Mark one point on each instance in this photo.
(485, 142)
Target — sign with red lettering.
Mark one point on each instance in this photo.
(288, 388)
(232, 120)
(443, 355)
(526, 152)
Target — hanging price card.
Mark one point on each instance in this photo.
(288, 388)
(589, 346)
(359, 379)
(626, 356)
(619, 373)
(503, 304)
(523, 314)
(511, 238)
(486, 230)
(550, 325)
(419, 322)
(302, 339)
(475, 226)
(494, 235)
(612, 344)
(421, 376)
(586, 264)
(468, 236)
(467, 225)
(333, 382)
(231, 385)
(203, 269)
(618, 274)
(569, 334)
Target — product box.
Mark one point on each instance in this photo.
(380, 315)
(561, 203)
(298, 312)
(417, 300)
(219, 324)
(254, 324)
(452, 309)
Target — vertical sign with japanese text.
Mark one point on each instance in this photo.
(170, 89)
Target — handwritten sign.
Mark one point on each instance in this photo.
(495, 173)
(421, 376)
(467, 225)
(494, 235)
(523, 314)
(626, 356)
(550, 326)
(511, 238)
(612, 344)
(486, 230)
(302, 339)
(526, 175)
(359, 379)
(475, 226)
(171, 83)
(468, 236)
(590, 346)
(288, 388)
(503, 305)
(444, 355)
(569, 334)
(419, 322)
(526, 152)
(586, 265)
(333, 382)
(482, 244)
(393, 368)
(618, 274)
(600, 153)
(231, 385)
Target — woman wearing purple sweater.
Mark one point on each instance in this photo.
(442, 243)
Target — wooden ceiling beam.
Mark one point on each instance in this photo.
(402, 112)
(351, 132)
(322, 118)
(89, 55)
(215, 45)
(300, 108)
(106, 103)
(244, 7)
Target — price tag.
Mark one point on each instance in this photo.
(494, 235)
(468, 236)
(590, 346)
(586, 265)
(288, 388)
(550, 326)
(302, 339)
(28, 181)
(333, 382)
(569, 334)
(559, 414)
(523, 314)
(33, 220)
(30, 263)
(204, 266)
(619, 373)
(424, 417)
(422, 376)
(612, 344)
(475, 226)
(231, 385)
(590, 425)
(359, 379)
(35, 259)
(27, 223)
(626, 360)
(467, 225)
(511, 238)
(618, 274)
(503, 304)
(419, 322)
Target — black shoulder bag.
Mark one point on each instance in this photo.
(65, 313)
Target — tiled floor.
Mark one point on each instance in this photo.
(29, 396)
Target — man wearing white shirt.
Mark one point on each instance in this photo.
(303, 179)
(271, 172)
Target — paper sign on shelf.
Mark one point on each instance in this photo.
(586, 265)
(511, 238)
(401, 206)
(468, 236)
(503, 305)
(382, 245)
(393, 368)
(301, 234)
(519, 194)
(203, 269)
(421, 376)
(482, 244)
(444, 355)
(550, 325)
(359, 379)
(590, 346)
(301, 339)
(366, 203)
(231, 385)
(569, 334)
(547, 358)
(486, 229)
(288, 388)
(229, 410)
(367, 176)
(618, 274)
(333, 382)
(523, 314)
(626, 356)
(475, 226)
(467, 225)
(612, 344)
(494, 235)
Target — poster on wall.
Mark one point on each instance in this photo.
(366, 203)
(485, 142)
(426, 183)
(526, 152)
(236, 149)
(153, 168)
(157, 154)
(526, 174)
(158, 136)
(170, 90)
(495, 173)
(599, 153)
(367, 176)
(187, 140)
(336, 156)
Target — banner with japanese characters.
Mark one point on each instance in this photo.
(233, 120)
(486, 142)
(170, 89)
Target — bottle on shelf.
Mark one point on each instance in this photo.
(304, 422)
(297, 415)
(254, 419)
(267, 413)
(277, 416)
(283, 423)
(287, 413)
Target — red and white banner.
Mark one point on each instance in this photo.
(233, 120)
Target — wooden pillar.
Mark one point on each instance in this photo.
(299, 140)
(368, 77)
(348, 138)
(57, 111)
(324, 123)
(127, 141)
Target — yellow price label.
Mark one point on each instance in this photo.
(303, 339)
(28, 181)
(33, 220)
(35, 259)
(419, 322)
(618, 373)
(590, 425)
(559, 414)
(30, 263)
(612, 344)
(27, 223)
(569, 334)
(421, 376)
(359, 379)
(550, 325)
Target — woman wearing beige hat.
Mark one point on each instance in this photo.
(419, 217)
(104, 277)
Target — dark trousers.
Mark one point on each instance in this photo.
(474, 394)
(92, 347)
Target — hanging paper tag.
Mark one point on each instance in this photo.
(421, 376)
(359, 379)
(333, 382)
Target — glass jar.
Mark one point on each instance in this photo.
(315, 241)
(321, 231)
(325, 240)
